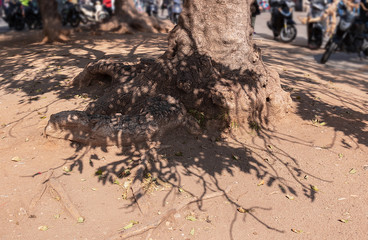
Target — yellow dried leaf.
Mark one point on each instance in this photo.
(191, 218)
(241, 210)
(296, 230)
(192, 232)
(80, 220)
(130, 225)
(43, 228)
(352, 171)
(314, 188)
(343, 220)
(261, 183)
(16, 159)
(289, 197)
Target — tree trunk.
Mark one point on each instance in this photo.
(127, 18)
(211, 74)
(51, 20)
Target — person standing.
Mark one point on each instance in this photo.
(255, 10)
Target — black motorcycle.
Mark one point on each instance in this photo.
(316, 30)
(349, 36)
(282, 23)
(33, 17)
(14, 16)
(70, 14)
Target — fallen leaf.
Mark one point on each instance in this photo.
(191, 218)
(66, 169)
(181, 190)
(57, 216)
(93, 189)
(116, 182)
(16, 159)
(241, 210)
(306, 177)
(235, 157)
(179, 154)
(343, 220)
(296, 230)
(83, 179)
(261, 183)
(43, 228)
(322, 123)
(98, 172)
(352, 171)
(341, 155)
(314, 188)
(80, 220)
(289, 197)
(192, 232)
(130, 225)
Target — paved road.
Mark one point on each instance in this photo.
(337, 60)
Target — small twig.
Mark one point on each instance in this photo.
(155, 223)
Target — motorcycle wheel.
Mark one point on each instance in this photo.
(317, 35)
(74, 22)
(19, 24)
(326, 55)
(287, 35)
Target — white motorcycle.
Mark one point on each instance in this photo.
(95, 14)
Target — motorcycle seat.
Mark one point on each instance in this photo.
(89, 8)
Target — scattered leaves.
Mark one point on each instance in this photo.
(16, 159)
(289, 197)
(261, 183)
(43, 117)
(352, 171)
(242, 210)
(43, 228)
(343, 220)
(130, 225)
(191, 218)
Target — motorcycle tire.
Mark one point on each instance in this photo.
(289, 34)
(19, 24)
(74, 22)
(326, 55)
(317, 34)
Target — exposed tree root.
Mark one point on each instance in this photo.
(57, 192)
(40, 191)
(156, 222)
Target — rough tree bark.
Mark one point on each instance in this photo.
(51, 20)
(211, 70)
(128, 19)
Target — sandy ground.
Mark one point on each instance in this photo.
(304, 177)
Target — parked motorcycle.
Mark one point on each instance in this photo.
(316, 30)
(94, 14)
(152, 8)
(33, 17)
(70, 14)
(349, 36)
(282, 23)
(14, 15)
